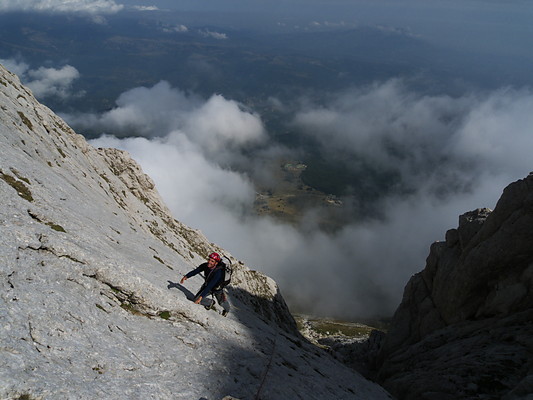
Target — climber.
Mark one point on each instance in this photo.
(213, 272)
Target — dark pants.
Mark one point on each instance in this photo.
(221, 297)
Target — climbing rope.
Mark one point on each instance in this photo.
(267, 368)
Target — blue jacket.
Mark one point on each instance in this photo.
(213, 277)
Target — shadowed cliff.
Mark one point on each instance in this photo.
(464, 329)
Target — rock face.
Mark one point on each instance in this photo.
(464, 329)
(90, 305)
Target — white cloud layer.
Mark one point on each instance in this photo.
(440, 143)
(82, 6)
(46, 82)
(146, 8)
(196, 189)
(218, 127)
(455, 154)
(213, 35)
(180, 28)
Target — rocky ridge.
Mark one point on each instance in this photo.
(91, 307)
(464, 329)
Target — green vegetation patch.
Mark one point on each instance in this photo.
(18, 185)
(56, 227)
(19, 176)
(103, 176)
(327, 327)
(25, 120)
(346, 329)
(128, 301)
(164, 314)
(131, 309)
(162, 262)
(101, 308)
(61, 152)
(367, 182)
(98, 369)
(24, 397)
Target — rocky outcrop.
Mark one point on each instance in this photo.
(464, 328)
(90, 304)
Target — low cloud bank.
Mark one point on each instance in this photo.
(46, 82)
(213, 35)
(453, 154)
(216, 128)
(388, 125)
(61, 6)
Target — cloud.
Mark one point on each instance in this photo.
(497, 133)
(218, 126)
(196, 189)
(220, 123)
(17, 67)
(176, 28)
(146, 8)
(214, 35)
(46, 82)
(61, 6)
(424, 137)
(397, 31)
(142, 111)
(329, 25)
(454, 153)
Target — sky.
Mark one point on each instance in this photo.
(501, 27)
(454, 153)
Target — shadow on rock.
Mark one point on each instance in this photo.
(271, 327)
(187, 292)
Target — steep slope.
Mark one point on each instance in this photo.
(90, 306)
(464, 328)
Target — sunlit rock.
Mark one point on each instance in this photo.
(90, 304)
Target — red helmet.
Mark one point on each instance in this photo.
(215, 257)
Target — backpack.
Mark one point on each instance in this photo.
(228, 271)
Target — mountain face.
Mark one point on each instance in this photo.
(91, 307)
(464, 329)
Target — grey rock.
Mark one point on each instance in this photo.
(452, 237)
(464, 328)
(90, 305)
(470, 223)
